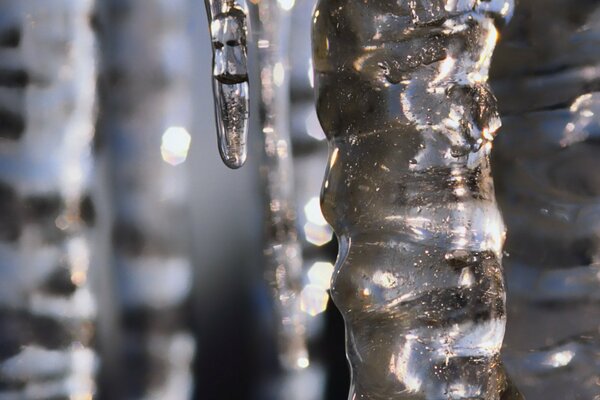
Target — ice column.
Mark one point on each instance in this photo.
(546, 73)
(402, 96)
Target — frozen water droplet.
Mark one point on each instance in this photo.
(232, 122)
(228, 26)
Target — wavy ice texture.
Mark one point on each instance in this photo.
(283, 251)
(146, 112)
(546, 73)
(228, 20)
(402, 96)
(47, 95)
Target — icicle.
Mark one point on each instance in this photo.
(146, 114)
(283, 253)
(228, 29)
(402, 96)
(546, 73)
(46, 126)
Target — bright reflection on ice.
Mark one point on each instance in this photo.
(313, 127)
(313, 213)
(560, 359)
(278, 74)
(313, 300)
(175, 145)
(303, 362)
(320, 274)
(317, 235)
(286, 4)
(317, 231)
(311, 76)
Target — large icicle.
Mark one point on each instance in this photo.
(283, 252)
(228, 29)
(402, 96)
(146, 113)
(546, 73)
(47, 94)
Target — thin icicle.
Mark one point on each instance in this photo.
(146, 114)
(402, 96)
(46, 126)
(228, 29)
(283, 252)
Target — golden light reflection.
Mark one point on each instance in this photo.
(334, 157)
(86, 396)
(175, 145)
(82, 396)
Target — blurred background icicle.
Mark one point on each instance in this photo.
(402, 96)
(546, 73)
(316, 237)
(283, 252)
(47, 96)
(228, 25)
(146, 114)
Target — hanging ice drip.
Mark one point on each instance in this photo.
(546, 73)
(283, 252)
(228, 28)
(47, 311)
(402, 96)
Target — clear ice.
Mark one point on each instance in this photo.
(283, 251)
(403, 98)
(47, 213)
(228, 29)
(546, 73)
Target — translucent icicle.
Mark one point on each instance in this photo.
(47, 310)
(146, 114)
(283, 252)
(402, 96)
(546, 73)
(228, 29)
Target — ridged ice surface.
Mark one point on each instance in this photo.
(47, 95)
(402, 96)
(283, 251)
(547, 75)
(228, 29)
(146, 114)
